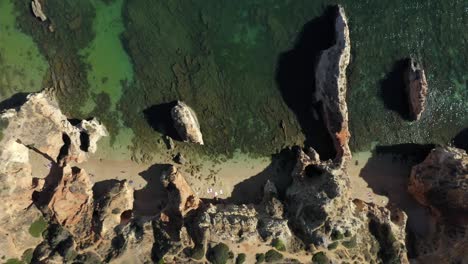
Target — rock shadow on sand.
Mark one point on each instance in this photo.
(279, 172)
(387, 173)
(295, 78)
(149, 200)
(159, 118)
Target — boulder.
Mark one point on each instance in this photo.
(331, 87)
(416, 89)
(37, 10)
(186, 123)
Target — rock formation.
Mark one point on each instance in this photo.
(186, 123)
(331, 87)
(440, 182)
(416, 89)
(37, 10)
(180, 195)
(72, 204)
(39, 124)
(16, 188)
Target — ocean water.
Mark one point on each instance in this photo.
(22, 66)
(117, 58)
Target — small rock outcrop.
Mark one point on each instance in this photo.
(416, 89)
(440, 182)
(186, 123)
(39, 124)
(37, 10)
(331, 87)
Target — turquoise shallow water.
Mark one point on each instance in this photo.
(122, 57)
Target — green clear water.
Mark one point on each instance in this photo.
(109, 65)
(22, 66)
(221, 58)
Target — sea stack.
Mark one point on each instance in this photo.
(330, 78)
(186, 123)
(416, 89)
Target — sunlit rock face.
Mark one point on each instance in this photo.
(331, 86)
(186, 123)
(440, 182)
(416, 89)
(39, 124)
(17, 212)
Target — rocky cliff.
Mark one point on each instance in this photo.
(440, 182)
(331, 86)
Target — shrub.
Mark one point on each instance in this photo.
(198, 252)
(350, 243)
(240, 258)
(37, 227)
(320, 258)
(273, 255)
(336, 235)
(260, 257)
(219, 254)
(333, 245)
(27, 255)
(278, 244)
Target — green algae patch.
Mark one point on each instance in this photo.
(109, 65)
(22, 66)
(37, 227)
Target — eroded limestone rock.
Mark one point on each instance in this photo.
(17, 211)
(72, 204)
(441, 180)
(39, 124)
(331, 86)
(416, 89)
(186, 123)
(181, 197)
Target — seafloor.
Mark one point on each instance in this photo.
(246, 67)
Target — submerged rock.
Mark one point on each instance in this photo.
(186, 123)
(416, 89)
(37, 10)
(331, 87)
